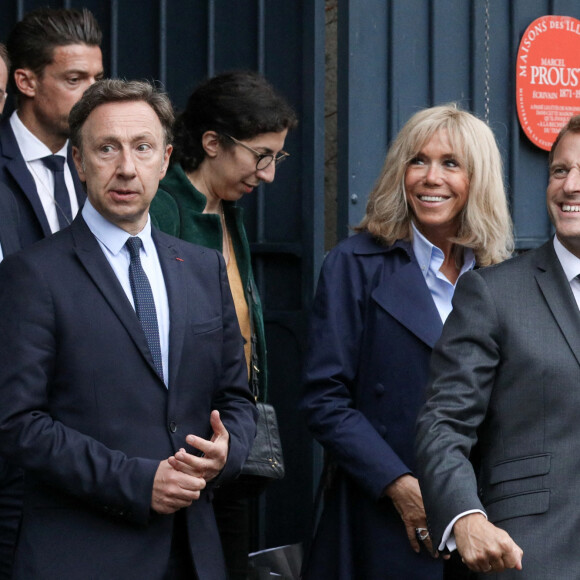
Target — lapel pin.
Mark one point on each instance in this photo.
(179, 259)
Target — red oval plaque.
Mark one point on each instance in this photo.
(548, 77)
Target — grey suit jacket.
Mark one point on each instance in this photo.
(505, 379)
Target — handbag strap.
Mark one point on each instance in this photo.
(254, 368)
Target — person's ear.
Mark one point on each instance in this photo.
(79, 163)
(210, 142)
(26, 81)
(165, 162)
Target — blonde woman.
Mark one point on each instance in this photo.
(438, 210)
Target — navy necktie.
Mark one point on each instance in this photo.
(61, 198)
(144, 303)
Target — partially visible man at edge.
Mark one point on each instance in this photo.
(55, 56)
(9, 477)
(9, 239)
(106, 380)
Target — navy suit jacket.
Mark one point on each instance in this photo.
(10, 478)
(9, 222)
(15, 175)
(373, 326)
(83, 411)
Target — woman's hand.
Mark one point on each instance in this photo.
(406, 496)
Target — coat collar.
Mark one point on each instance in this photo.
(556, 289)
(401, 290)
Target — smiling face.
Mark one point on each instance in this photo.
(52, 94)
(229, 172)
(563, 192)
(437, 188)
(122, 160)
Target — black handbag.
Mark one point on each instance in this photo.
(265, 459)
(265, 462)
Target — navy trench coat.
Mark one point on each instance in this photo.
(373, 326)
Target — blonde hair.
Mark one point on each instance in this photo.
(486, 225)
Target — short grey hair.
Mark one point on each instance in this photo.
(118, 91)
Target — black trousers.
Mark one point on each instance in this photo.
(180, 565)
(231, 505)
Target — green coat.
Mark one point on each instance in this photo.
(177, 209)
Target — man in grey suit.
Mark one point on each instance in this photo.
(497, 440)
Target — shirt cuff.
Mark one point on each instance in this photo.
(448, 539)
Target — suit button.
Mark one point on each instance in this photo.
(379, 390)
(173, 426)
(382, 430)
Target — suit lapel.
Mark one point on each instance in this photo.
(174, 268)
(403, 293)
(559, 297)
(98, 268)
(16, 167)
(8, 222)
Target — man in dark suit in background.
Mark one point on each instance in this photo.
(9, 239)
(506, 377)
(119, 350)
(10, 492)
(55, 56)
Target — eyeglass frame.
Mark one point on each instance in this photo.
(283, 155)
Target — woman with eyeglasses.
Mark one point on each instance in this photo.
(228, 141)
(437, 210)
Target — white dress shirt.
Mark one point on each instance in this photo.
(33, 150)
(112, 240)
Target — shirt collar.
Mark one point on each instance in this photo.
(111, 236)
(570, 263)
(431, 256)
(31, 147)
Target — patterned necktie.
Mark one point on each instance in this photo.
(144, 303)
(61, 198)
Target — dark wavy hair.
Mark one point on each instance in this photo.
(32, 41)
(572, 126)
(241, 104)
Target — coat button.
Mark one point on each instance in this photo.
(382, 430)
(173, 426)
(379, 389)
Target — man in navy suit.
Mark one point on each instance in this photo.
(123, 417)
(9, 477)
(55, 56)
(9, 239)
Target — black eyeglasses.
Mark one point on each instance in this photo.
(263, 160)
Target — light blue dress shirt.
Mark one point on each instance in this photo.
(430, 259)
(112, 240)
